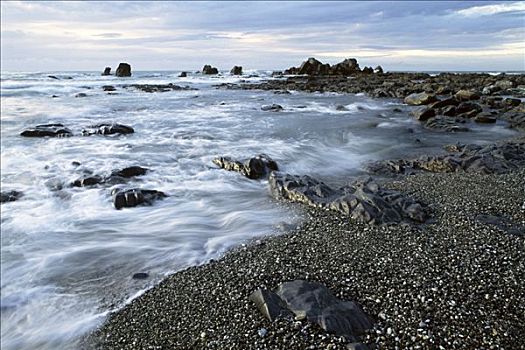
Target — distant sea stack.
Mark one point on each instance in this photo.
(347, 67)
(207, 69)
(236, 70)
(123, 70)
(107, 71)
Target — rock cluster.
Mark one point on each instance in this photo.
(123, 70)
(363, 201)
(159, 87)
(116, 176)
(314, 67)
(316, 303)
(254, 168)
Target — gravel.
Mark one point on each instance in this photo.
(453, 283)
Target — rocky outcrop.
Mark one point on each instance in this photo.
(123, 70)
(496, 158)
(314, 67)
(10, 196)
(363, 200)
(107, 71)
(158, 87)
(315, 303)
(207, 69)
(47, 130)
(421, 98)
(253, 168)
(272, 108)
(128, 198)
(236, 70)
(446, 124)
(107, 129)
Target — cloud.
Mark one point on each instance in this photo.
(493, 9)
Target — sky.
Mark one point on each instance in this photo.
(398, 35)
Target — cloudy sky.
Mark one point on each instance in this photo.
(81, 35)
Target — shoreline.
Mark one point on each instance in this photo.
(402, 275)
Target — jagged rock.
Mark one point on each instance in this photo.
(107, 71)
(273, 107)
(87, 181)
(10, 196)
(347, 67)
(123, 70)
(368, 70)
(107, 129)
(496, 158)
(378, 70)
(236, 70)
(108, 88)
(421, 98)
(183, 75)
(423, 113)
(253, 168)
(47, 130)
(445, 124)
(207, 69)
(363, 201)
(269, 304)
(127, 198)
(313, 67)
(467, 95)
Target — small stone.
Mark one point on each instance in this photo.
(262, 332)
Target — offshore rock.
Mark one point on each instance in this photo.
(253, 168)
(207, 69)
(107, 71)
(47, 130)
(107, 129)
(158, 87)
(123, 70)
(10, 196)
(272, 108)
(127, 198)
(363, 200)
(236, 70)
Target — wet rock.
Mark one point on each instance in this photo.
(451, 101)
(123, 70)
(130, 172)
(318, 305)
(446, 124)
(108, 88)
(485, 118)
(158, 87)
(272, 108)
(127, 198)
(47, 130)
(183, 75)
(363, 200)
(467, 95)
(421, 98)
(314, 67)
(368, 70)
(253, 168)
(10, 196)
(270, 305)
(449, 111)
(140, 276)
(81, 94)
(341, 108)
(423, 113)
(236, 70)
(207, 69)
(107, 71)
(52, 77)
(107, 129)
(88, 181)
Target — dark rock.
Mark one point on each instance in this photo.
(421, 98)
(270, 305)
(341, 108)
(273, 108)
(512, 101)
(469, 107)
(75, 163)
(451, 101)
(445, 124)
(449, 111)
(81, 94)
(158, 87)
(88, 181)
(54, 96)
(127, 198)
(378, 70)
(423, 113)
(318, 305)
(368, 70)
(347, 67)
(467, 95)
(140, 276)
(313, 67)
(253, 168)
(183, 75)
(10, 196)
(47, 130)
(130, 172)
(363, 200)
(107, 129)
(123, 70)
(485, 118)
(107, 71)
(52, 77)
(207, 69)
(236, 70)
(108, 88)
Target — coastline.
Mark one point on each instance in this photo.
(454, 282)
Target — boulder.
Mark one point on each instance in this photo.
(127, 198)
(47, 130)
(108, 88)
(88, 181)
(485, 118)
(446, 124)
(207, 69)
(131, 171)
(270, 305)
(10, 196)
(513, 102)
(421, 98)
(123, 70)
(116, 177)
(107, 71)
(107, 129)
(183, 75)
(471, 108)
(253, 168)
(236, 70)
(451, 101)
(272, 108)
(467, 95)
(423, 113)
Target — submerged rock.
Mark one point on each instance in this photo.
(47, 130)
(272, 108)
(423, 113)
(107, 129)
(10, 196)
(253, 168)
(127, 198)
(123, 70)
(363, 200)
(108, 88)
(88, 181)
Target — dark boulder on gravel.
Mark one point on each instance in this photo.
(207, 69)
(47, 130)
(253, 168)
(315, 303)
(272, 108)
(10, 196)
(123, 70)
(421, 98)
(236, 70)
(107, 71)
(127, 198)
(363, 200)
(496, 158)
(107, 129)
